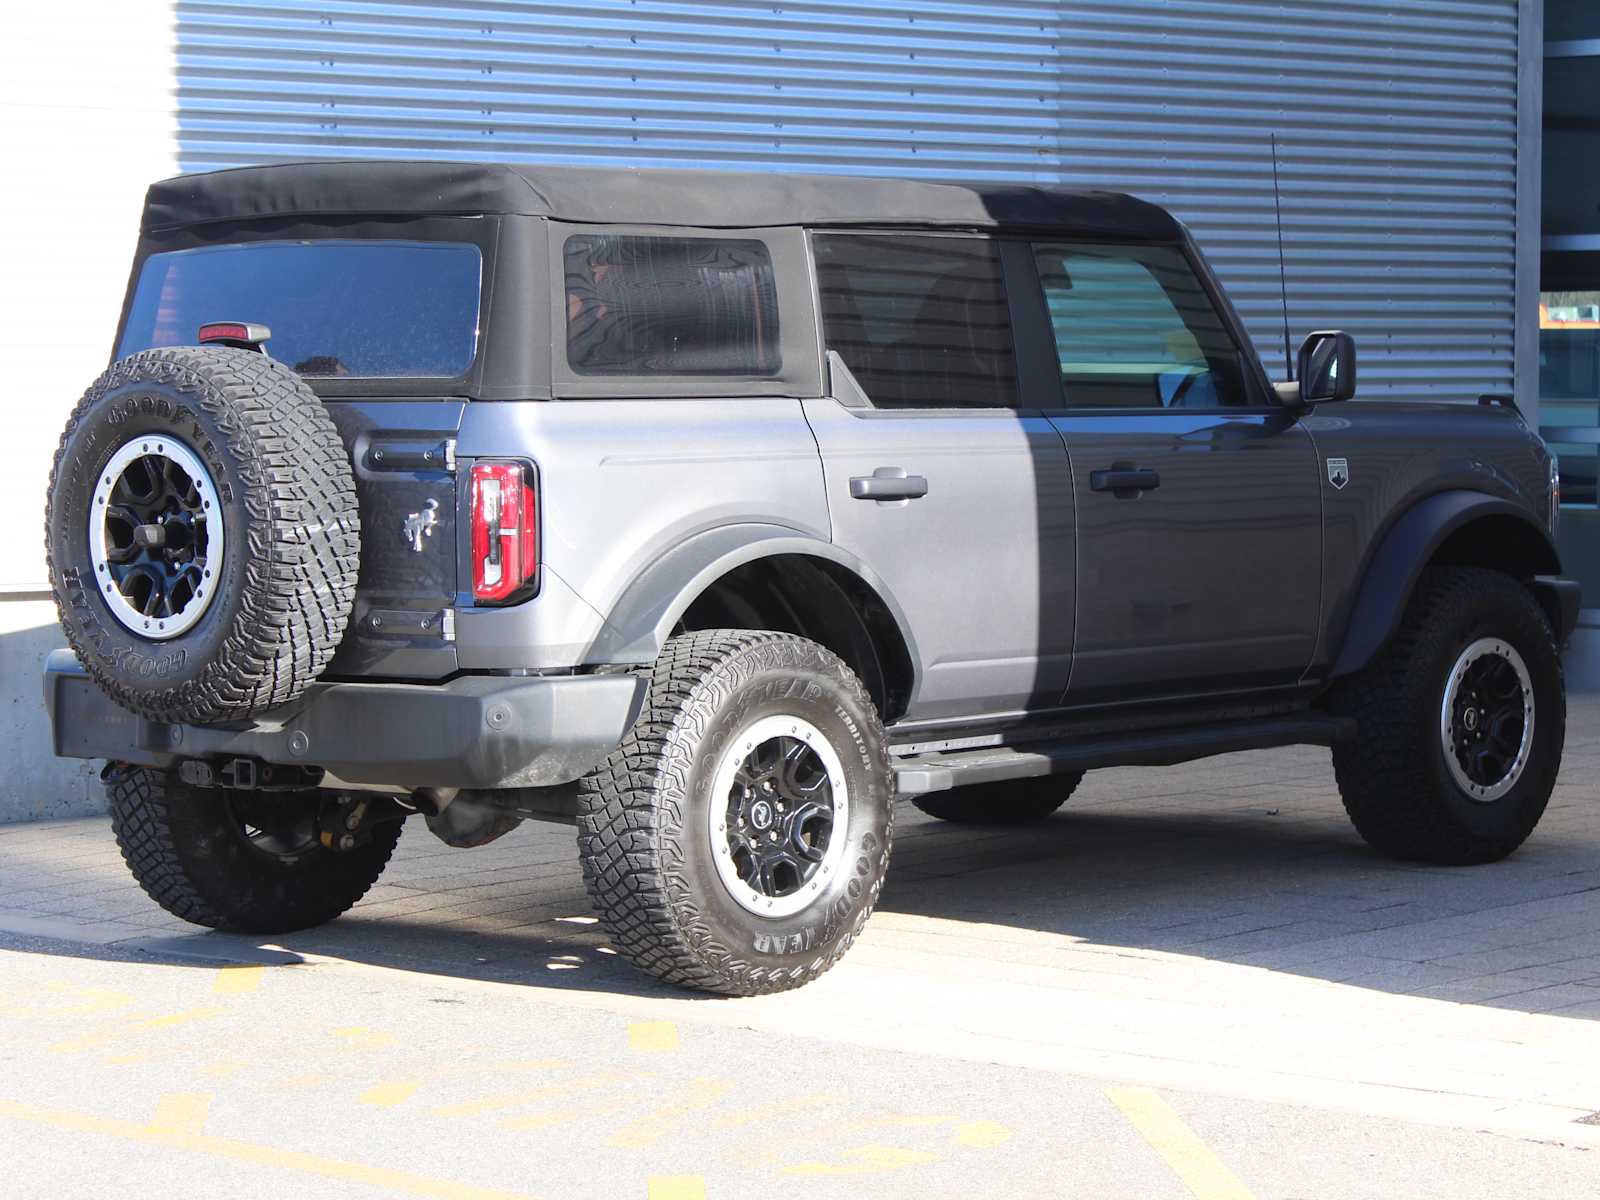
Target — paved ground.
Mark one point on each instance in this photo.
(1191, 982)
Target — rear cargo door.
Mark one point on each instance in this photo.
(403, 453)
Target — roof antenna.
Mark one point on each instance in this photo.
(1283, 281)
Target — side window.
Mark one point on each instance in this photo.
(1135, 329)
(641, 305)
(920, 321)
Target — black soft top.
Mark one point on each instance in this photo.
(607, 195)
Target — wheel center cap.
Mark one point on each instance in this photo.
(1469, 719)
(761, 815)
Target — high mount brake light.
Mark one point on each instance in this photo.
(505, 531)
(245, 335)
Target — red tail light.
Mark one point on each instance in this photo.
(505, 531)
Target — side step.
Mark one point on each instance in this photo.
(936, 772)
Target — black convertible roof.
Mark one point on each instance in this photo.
(614, 195)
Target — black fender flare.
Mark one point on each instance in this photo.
(642, 618)
(1410, 545)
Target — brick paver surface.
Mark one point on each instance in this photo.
(1244, 859)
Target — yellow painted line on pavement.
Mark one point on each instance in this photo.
(871, 1159)
(675, 1109)
(237, 979)
(774, 1112)
(981, 1135)
(652, 1037)
(390, 1092)
(550, 1091)
(251, 1152)
(677, 1187)
(571, 1112)
(132, 1029)
(182, 1112)
(1191, 1160)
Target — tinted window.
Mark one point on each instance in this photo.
(920, 321)
(670, 306)
(373, 308)
(1135, 329)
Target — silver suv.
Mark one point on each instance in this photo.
(714, 512)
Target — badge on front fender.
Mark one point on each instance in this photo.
(1338, 473)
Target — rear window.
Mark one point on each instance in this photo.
(369, 309)
(641, 305)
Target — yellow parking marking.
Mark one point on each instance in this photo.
(981, 1135)
(182, 1112)
(674, 1110)
(387, 1095)
(236, 980)
(132, 1029)
(1191, 1160)
(871, 1159)
(474, 1108)
(251, 1152)
(391, 1092)
(75, 1001)
(677, 1187)
(652, 1037)
(772, 1112)
(576, 1112)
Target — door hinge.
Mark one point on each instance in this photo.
(447, 624)
(449, 454)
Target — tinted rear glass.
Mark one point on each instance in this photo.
(670, 306)
(368, 309)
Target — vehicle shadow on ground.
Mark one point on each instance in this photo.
(1236, 860)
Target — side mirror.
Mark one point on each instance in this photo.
(1326, 366)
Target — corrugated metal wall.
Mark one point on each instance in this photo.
(1397, 122)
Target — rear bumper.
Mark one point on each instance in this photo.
(473, 732)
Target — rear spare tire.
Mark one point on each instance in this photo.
(202, 534)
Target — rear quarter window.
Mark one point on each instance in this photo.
(642, 305)
(358, 309)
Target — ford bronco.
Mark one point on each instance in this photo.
(715, 512)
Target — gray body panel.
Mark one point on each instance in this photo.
(624, 484)
(1209, 581)
(992, 608)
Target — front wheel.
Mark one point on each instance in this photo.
(1459, 725)
(736, 842)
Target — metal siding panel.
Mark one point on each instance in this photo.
(1396, 123)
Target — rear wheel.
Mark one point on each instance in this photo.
(737, 840)
(1009, 802)
(241, 861)
(1459, 726)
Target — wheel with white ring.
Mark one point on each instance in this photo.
(736, 842)
(202, 534)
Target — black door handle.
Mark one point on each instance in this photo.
(1123, 481)
(881, 485)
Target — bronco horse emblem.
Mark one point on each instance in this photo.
(419, 525)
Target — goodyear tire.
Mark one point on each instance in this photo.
(736, 842)
(1012, 802)
(1459, 725)
(202, 534)
(246, 862)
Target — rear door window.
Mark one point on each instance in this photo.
(359, 309)
(641, 305)
(921, 321)
(1134, 328)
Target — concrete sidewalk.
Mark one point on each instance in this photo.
(1216, 926)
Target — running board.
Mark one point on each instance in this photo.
(936, 772)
